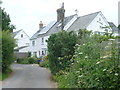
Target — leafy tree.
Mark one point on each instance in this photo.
(6, 21)
(61, 49)
(8, 45)
(119, 27)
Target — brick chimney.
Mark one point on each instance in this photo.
(60, 13)
(40, 25)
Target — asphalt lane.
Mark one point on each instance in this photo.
(28, 76)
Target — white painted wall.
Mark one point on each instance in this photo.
(95, 24)
(22, 41)
(39, 46)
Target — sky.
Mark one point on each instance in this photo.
(26, 14)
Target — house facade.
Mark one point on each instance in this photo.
(22, 41)
(94, 21)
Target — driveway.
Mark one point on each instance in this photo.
(28, 76)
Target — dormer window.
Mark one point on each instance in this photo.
(21, 35)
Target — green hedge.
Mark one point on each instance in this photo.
(29, 60)
(60, 48)
(8, 44)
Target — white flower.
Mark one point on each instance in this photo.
(98, 62)
(83, 44)
(80, 53)
(80, 76)
(104, 69)
(86, 56)
(72, 63)
(116, 74)
(59, 58)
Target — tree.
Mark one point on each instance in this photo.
(119, 26)
(6, 21)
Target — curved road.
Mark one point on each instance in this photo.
(28, 76)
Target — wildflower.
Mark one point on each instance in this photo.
(86, 56)
(80, 68)
(59, 58)
(77, 71)
(80, 76)
(83, 44)
(98, 62)
(104, 69)
(72, 63)
(77, 45)
(80, 53)
(116, 74)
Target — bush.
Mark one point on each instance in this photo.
(45, 63)
(22, 61)
(94, 66)
(31, 60)
(61, 48)
(8, 44)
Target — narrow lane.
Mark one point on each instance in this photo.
(28, 76)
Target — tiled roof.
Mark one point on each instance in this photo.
(15, 33)
(114, 28)
(80, 23)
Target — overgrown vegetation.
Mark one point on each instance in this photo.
(94, 64)
(8, 44)
(29, 60)
(61, 49)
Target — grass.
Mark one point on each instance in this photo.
(3, 76)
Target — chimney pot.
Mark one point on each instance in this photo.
(40, 25)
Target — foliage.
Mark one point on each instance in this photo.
(95, 65)
(6, 21)
(45, 63)
(22, 61)
(31, 60)
(119, 27)
(61, 48)
(8, 44)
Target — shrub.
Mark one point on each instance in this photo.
(61, 48)
(31, 60)
(92, 68)
(8, 44)
(22, 61)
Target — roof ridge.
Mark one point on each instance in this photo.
(90, 14)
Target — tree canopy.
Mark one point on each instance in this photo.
(6, 22)
(119, 26)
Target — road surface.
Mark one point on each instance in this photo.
(28, 76)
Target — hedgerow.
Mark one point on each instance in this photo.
(8, 44)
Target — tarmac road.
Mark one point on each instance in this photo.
(28, 76)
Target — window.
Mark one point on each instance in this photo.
(42, 40)
(34, 53)
(42, 52)
(21, 35)
(39, 53)
(33, 43)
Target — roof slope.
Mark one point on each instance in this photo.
(80, 23)
(15, 33)
(83, 21)
(114, 28)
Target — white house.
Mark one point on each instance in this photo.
(94, 21)
(22, 41)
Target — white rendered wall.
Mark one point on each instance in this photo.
(98, 21)
(22, 41)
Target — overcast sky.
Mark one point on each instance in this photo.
(26, 14)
